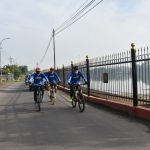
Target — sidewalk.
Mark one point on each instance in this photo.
(141, 112)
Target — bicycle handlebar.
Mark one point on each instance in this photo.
(38, 84)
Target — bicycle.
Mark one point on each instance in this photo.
(52, 90)
(39, 96)
(78, 97)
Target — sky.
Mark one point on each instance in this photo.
(109, 28)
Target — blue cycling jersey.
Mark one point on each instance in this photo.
(38, 79)
(53, 78)
(74, 78)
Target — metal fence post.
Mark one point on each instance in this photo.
(88, 75)
(63, 76)
(57, 69)
(71, 65)
(134, 75)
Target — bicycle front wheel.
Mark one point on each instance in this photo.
(81, 103)
(39, 100)
(52, 97)
(39, 106)
(73, 103)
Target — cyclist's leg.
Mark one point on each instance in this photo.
(55, 88)
(71, 91)
(48, 90)
(35, 93)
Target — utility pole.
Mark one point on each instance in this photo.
(12, 70)
(54, 48)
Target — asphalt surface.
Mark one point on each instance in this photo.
(60, 127)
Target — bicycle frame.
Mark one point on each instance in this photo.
(39, 96)
(78, 97)
(52, 90)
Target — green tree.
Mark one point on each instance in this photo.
(23, 69)
(17, 72)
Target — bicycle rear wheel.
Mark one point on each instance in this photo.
(39, 106)
(39, 100)
(81, 103)
(52, 96)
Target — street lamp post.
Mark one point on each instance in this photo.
(1, 56)
(54, 49)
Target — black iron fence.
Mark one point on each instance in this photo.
(120, 77)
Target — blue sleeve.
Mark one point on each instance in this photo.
(44, 77)
(31, 78)
(70, 77)
(46, 74)
(57, 77)
(83, 77)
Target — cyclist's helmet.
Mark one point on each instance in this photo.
(37, 69)
(75, 68)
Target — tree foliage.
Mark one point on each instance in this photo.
(16, 70)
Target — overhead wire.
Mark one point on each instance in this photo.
(70, 18)
(67, 26)
(76, 13)
(49, 43)
(72, 15)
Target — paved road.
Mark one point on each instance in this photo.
(59, 127)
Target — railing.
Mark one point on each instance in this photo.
(121, 77)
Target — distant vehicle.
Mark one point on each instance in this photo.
(26, 80)
(31, 88)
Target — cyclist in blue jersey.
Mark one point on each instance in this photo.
(38, 79)
(74, 79)
(53, 78)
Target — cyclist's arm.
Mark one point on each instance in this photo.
(57, 77)
(31, 79)
(83, 77)
(45, 79)
(70, 78)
